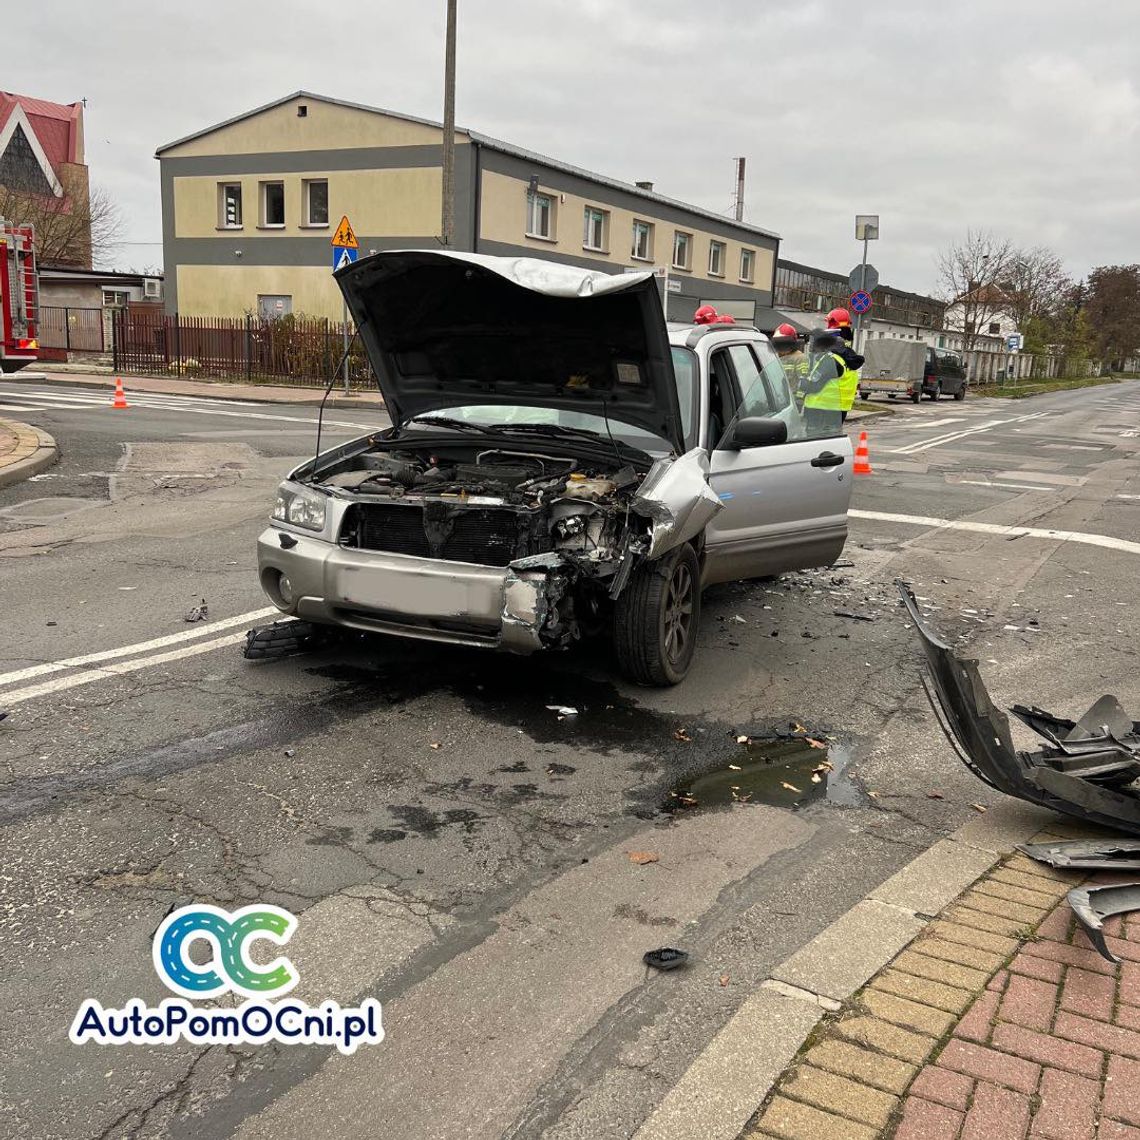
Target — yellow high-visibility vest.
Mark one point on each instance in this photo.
(848, 388)
(829, 398)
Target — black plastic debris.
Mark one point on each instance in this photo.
(1092, 905)
(854, 616)
(3, 714)
(666, 958)
(283, 638)
(1087, 854)
(199, 613)
(1088, 768)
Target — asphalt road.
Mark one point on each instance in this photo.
(452, 846)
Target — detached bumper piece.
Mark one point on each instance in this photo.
(1088, 767)
(284, 638)
(1092, 905)
(1086, 854)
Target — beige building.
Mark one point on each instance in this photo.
(249, 207)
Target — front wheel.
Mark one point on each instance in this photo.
(656, 619)
(961, 393)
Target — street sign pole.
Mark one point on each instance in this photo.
(345, 250)
(344, 319)
(866, 228)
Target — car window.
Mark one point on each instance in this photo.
(774, 377)
(722, 396)
(755, 399)
(685, 368)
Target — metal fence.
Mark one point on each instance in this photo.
(300, 351)
(72, 329)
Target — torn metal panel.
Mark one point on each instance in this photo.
(1092, 905)
(537, 611)
(677, 499)
(1078, 775)
(1086, 854)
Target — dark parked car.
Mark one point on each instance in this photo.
(944, 375)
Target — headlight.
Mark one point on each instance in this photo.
(300, 508)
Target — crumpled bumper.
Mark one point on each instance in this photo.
(511, 608)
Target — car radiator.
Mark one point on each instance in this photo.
(485, 536)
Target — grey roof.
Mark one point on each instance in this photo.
(492, 144)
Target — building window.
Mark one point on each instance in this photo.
(716, 259)
(995, 328)
(540, 216)
(115, 298)
(747, 264)
(229, 205)
(595, 229)
(273, 203)
(316, 201)
(682, 250)
(642, 241)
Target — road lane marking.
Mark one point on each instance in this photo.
(117, 669)
(204, 630)
(964, 433)
(1103, 540)
(1010, 486)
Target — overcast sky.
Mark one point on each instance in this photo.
(1020, 116)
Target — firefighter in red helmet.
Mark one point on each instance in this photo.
(705, 315)
(786, 341)
(839, 321)
(725, 319)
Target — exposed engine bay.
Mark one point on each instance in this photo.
(491, 506)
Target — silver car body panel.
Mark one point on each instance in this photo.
(677, 497)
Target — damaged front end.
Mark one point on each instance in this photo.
(1088, 768)
(499, 543)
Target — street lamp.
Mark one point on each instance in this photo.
(447, 223)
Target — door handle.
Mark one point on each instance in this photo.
(827, 459)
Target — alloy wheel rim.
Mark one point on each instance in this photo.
(678, 613)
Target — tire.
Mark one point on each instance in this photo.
(864, 395)
(961, 393)
(655, 636)
(937, 392)
(915, 396)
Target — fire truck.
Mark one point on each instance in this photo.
(18, 297)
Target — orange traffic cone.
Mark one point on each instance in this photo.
(120, 400)
(862, 457)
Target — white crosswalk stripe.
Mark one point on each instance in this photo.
(34, 399)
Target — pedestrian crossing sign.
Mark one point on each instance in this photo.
(344, 238)
(343, 257)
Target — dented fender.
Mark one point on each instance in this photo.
(677, 499)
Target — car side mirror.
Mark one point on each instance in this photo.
(757, 431)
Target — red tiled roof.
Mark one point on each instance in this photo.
(56, 125)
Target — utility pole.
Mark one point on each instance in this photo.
(738, 205)
(447, 225)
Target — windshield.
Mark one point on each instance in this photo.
(492, 415)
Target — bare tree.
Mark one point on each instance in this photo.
(969, 274)
(73, 230)
(1035, 285)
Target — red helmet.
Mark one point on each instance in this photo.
(785, 336)
(838, 319)
(725, 319)
(705, 315)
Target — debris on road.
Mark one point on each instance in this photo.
(283, 638)
(1087, 854)
(563, 710)
(723, 980)
(199, 613)
(1092, 905)
(1087, 769)
(643, 857)
(665, 958)
(681, 735)
(853, 616)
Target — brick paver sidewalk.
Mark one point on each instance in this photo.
(998, 1022)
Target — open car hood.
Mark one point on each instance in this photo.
(444, 329)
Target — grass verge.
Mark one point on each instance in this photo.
(1037, 387)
